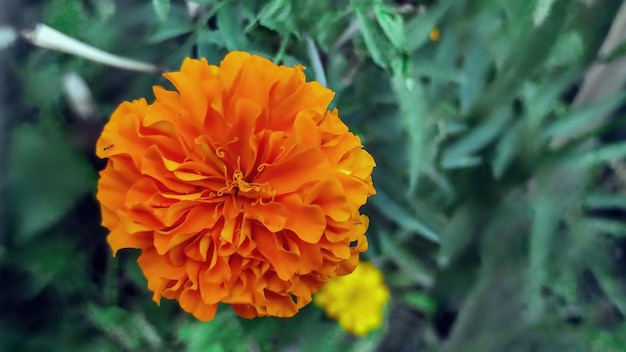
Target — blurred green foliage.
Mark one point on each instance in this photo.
(499, 218)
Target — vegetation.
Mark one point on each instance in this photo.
(498, 221)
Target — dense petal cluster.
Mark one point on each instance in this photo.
(356, 301)
(240, 187)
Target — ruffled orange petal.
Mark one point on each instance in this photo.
(240, 187)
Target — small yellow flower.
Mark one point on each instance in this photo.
(357, 300)
(434, 34)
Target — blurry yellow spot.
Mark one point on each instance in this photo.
(435, 35)
(356, 300)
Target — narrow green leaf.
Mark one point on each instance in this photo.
(376, 46)
(392, 25)
(616, 54)
(598, 156)
(474, 72)
(544, 223)
(506, 150)
(520, 16)
(568, 50)
(402, 257)
(170, 31)
(478, 137)
(461, 162)
(611, 227)
(457, 234)
(612, 286)
(605, 200)
(542, 9)
(398, 214)
(526, 57)
(206, 36)
(114, 322)
(230, 27)
(222, 334)
(322, 338)
(574, 123)
(541, 99)
(421, 302)
(414, 111)
(277, 15)
(316, 61)
(104, 8)
(177, 56)
(418, 28)
(162, 8)
(210, 45)
(439, 72)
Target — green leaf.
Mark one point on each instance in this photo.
(506, 150)
(46, 176)
(66, 16)
(605, 200)
(419, 27)
(316, 62)
(392, 25)
(519, 14)
(541, 99)
(378, 48)
(576, 122)
(230, 27)
(42, 85)
(399, 214)
(277, 15)
(322, 338)
(612, 285)
(542, 9)
(401, 256)
(455, 235)
(606, 226)
(568, 50)
(414, 112)
(475, 68)
(439, 72)
(598, 156)
(480, 327)
(545, 219)
(329, 27)
(477, 138)
(207, 36)
(127, 329)
(173, 29)
(421, 302)
(207, 2)
(104, 8)
(527, 56)
(616, 54)
(461, 162)
(176, 57)
(162, 8)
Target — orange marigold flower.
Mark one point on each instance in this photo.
(241, 187)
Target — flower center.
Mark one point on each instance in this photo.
(238, 186)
